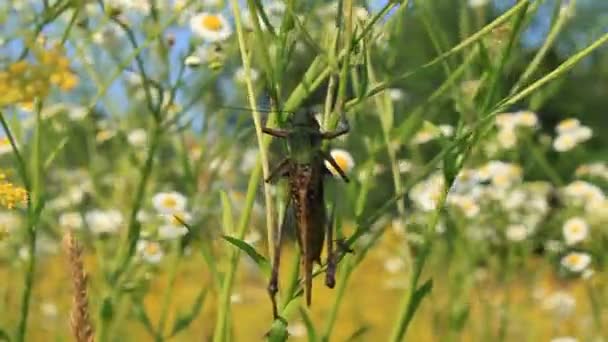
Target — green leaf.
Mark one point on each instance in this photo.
(259, 259)
(140, 313)
(4, 336)
(183, 320)
(357, 335)
(310, 327)
(415, 301)
(49, 160)
(278, 331)
(107, 309)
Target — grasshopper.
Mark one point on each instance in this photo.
(304, 169)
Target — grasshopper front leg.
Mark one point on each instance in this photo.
(281, 169)
(344, 128)
(276, 132)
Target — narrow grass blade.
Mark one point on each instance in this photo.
(259, 259)
(184, 320)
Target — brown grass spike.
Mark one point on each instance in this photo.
(79, 316)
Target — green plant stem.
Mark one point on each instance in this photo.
(561, 20)
(221, 327)
(34, 208)
(345, 273)
(262, 141)
(177, 254)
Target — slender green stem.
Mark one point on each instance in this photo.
(262, 141)
(345, 273)
(561, 20)
(177, 254)
(33, 209)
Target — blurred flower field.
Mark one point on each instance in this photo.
(463, 170)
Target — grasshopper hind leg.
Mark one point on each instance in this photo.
(330, 272)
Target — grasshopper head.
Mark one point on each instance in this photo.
(304, 118)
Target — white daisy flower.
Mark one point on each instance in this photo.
(236, 298)
(584, 192)
(49, 309)
(211, 27)
(104, 221)
(150, 251)
(137, 137)
(393, 265)
(567, 125)
(239, 75)
(297, 329)
(344, 160)
(169, 202)
(396, 94)
(466, 203)
(517, 232)
(526, 118)
(576, 261)
(427, 193)
(70, 220)
(560, 303)
(174, 228)
(575, 230)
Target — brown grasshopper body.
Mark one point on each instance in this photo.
(305, 169)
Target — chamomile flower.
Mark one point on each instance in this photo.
(507, 138)
(517, 232)
(584, 192)
(174, 227)
(211, 27)
(560, 303)
(570, 133)
(150, 251)
(596, 169)
(70, 220)
(239, 75)
(575, 230)
(169, 202)
(344, 160)
(393, 265)
(526, 118)
(564, 142)
(137, 137)
(427, 193)
(465, 203)
(567, 125)
(104, 221)
(576, 261)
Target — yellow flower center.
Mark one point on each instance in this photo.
(177, 220)
(211, 22)
(573, 259)
(342, 162)
(169, 202)
(4, 142)
(576, 228)
(152, 248)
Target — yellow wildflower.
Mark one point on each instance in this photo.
(10, 194)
